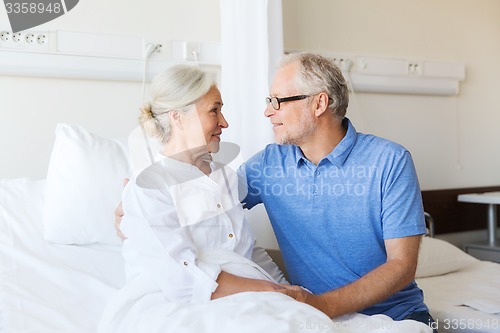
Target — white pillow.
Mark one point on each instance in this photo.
(84, 186)
(438, 257)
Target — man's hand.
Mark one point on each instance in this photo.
(302, 295)
(118, 216)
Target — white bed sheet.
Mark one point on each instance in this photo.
(465, 301)
(49, 287)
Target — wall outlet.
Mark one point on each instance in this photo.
(5, 36)
(415, 67)
(42, 39)
(34, 41)
(191, 51)
(161, 50)
(17, 37)
(30, 38)
(158, 48)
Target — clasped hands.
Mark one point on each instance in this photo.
(300, 294)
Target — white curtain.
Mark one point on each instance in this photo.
(251, 49)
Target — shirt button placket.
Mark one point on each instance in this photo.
(315, 187)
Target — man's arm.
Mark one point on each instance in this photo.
(396, 273)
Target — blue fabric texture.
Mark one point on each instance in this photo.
(331, 219)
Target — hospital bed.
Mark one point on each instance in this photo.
(60, 259)
(462, 292)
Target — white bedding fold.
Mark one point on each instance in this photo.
(141, 307)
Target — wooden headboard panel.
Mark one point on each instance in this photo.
(452, 216)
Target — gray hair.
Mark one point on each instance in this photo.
(320, 74)
(175, 89)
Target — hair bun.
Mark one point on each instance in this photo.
(146, 112)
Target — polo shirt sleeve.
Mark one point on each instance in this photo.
(250, 175)
(402, 210)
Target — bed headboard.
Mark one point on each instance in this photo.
(450, 215)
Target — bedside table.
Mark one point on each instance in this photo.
(489, 250)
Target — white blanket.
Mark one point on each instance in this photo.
(49, 288)
(141, 307)
(245, 312)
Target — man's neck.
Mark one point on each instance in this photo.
(323, 141)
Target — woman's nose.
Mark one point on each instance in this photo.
(223, 122)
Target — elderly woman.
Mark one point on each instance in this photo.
(187, 239)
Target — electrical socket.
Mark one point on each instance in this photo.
(42, 39)
(191, 51)
(161, 49)
(17, 37)
(30, 38)
(5, 36)
(343, 62)
(415, 67)
(158, 48)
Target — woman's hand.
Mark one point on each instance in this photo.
(118, 216)
(230, 284)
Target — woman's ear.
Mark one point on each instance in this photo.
(176, 118)
(321, 104)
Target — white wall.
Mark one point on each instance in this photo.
(454, 140)
(30, 107)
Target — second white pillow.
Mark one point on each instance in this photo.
(84, 186)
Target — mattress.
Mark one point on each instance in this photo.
(465, 301)
(49, 287)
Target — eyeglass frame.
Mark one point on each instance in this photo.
(269, 100)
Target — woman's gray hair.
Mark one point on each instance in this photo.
(320, 74)
(175, 89)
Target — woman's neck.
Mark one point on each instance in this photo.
(199, 156)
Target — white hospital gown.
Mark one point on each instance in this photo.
(179, 223)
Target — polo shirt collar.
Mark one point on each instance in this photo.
(339, 154)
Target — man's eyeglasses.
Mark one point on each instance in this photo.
(276, 101)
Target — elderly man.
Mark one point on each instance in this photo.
(346, 207)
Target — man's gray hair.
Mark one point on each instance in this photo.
(317, 74)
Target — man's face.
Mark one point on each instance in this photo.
(293, 123)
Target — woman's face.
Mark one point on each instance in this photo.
(210, 120)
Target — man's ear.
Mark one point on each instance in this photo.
(321, 104)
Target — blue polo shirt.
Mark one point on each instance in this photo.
(331, 219)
